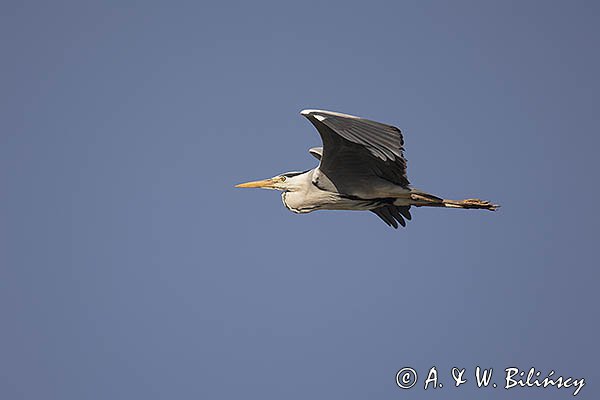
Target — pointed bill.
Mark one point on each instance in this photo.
(265, 183)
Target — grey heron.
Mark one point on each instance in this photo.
(361, 167)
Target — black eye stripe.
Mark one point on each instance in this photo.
(291, 174)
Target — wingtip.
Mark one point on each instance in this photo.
(316, 114)
(307, 111)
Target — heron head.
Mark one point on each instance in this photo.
(289, 181)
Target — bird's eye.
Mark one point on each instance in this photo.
(283, 178)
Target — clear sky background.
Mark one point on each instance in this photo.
(130, 268)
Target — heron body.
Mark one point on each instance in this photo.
(361, 167)
(309, 197)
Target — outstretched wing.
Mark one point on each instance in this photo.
(358, 150)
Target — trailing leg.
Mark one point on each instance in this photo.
(427, 200)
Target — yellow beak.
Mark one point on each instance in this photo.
(265, 183)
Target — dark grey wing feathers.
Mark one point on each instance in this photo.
(392, 215)
(384, 141)
(358, 146)
(386, 216)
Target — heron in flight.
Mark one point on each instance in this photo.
(361, 167)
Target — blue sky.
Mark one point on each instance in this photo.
(131, 268)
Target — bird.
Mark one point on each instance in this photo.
(361, 167)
